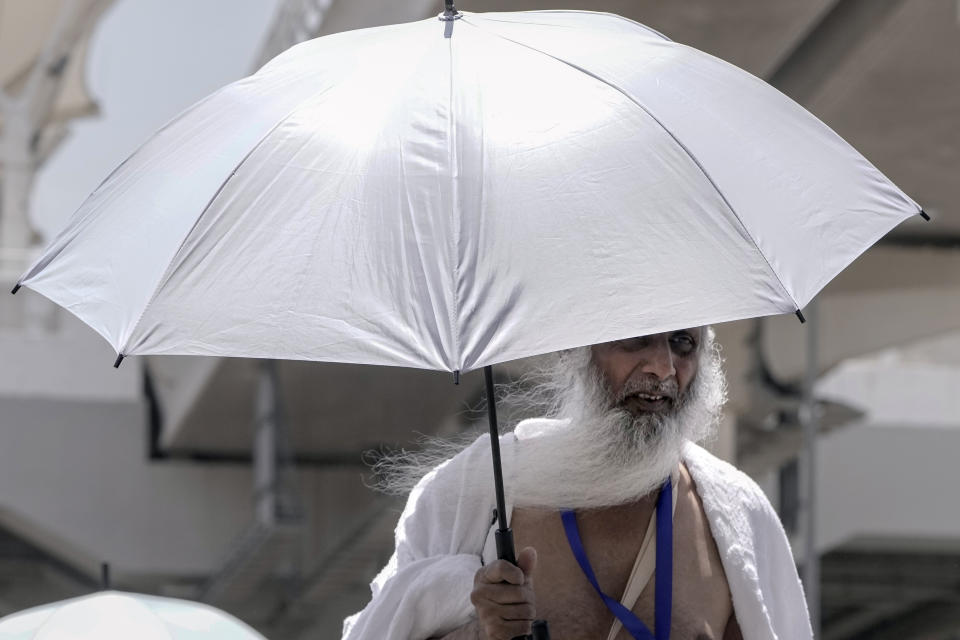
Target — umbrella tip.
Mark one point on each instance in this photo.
(105, 575)
(800, 315)
(450, 12)
(923, 214)
(456, 377)
(16, 288)
(116, 364)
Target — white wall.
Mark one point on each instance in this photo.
(891, 480)
(75, 478)
(891, 486)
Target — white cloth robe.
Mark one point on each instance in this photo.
(424, 590)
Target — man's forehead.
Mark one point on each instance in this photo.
(691, 330)
(698, 334)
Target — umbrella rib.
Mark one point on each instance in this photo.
(579, 11)
(673, 137)
(168, 271)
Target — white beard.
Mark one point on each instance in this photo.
(602, 456)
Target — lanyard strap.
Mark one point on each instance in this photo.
(663, 584)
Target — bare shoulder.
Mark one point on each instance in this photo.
(691, 525)
(703, 604)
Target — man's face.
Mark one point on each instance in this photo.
(649, 375)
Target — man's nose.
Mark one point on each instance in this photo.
(659, 359)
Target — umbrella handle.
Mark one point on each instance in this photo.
(505, 551)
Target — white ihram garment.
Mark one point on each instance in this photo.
(424, 591)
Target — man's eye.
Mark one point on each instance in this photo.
(683, 343)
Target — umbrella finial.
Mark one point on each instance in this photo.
(450, 12)
(105, 576)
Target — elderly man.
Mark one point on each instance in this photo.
(604, 495)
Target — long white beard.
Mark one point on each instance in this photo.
(602, 456)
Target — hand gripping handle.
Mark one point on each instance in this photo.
(505, 551)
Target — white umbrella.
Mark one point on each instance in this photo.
(453, 194)
(113, 615)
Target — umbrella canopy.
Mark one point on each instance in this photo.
(453, 194)
(112, 615)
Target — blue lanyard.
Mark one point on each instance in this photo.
(663, 583)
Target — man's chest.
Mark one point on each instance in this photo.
(701, 598)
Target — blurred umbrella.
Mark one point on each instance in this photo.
(113, 615)
(454, 194)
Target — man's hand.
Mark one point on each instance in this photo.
(503, 597)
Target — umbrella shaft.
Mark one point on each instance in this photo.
(504, 535)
